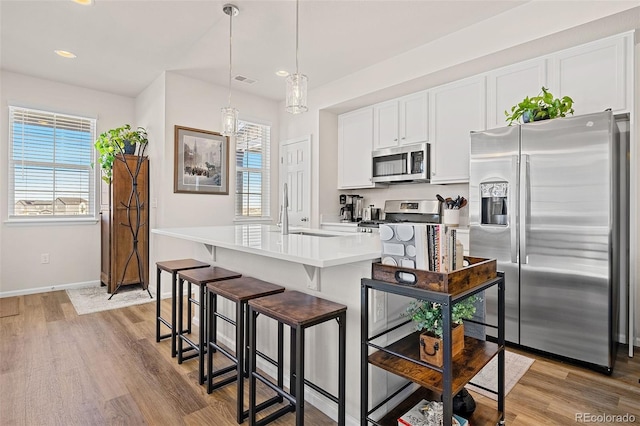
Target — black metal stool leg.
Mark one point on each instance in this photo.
(342, 360)
(201, 333)
(189, 313)
(252, 367)
(292, 362)
(240, 358)
(299, 376)
(158, 305)
(174, 332)
(180, 316)
(210, 326)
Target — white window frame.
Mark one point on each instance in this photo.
(19, 114)
(264, 170)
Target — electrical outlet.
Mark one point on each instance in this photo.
(44, 258)
(379, 306)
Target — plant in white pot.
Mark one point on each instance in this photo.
(427, 317)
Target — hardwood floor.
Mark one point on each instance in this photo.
(58, 368)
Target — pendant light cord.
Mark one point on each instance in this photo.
(297, 6)
(230, 50)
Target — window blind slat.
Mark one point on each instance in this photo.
(50, 164)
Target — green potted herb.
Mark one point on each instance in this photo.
(427, 317)
(541, 107)
(121, 140)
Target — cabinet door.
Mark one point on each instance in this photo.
(455, 110)
(414, 117)
(355, 141)
(385, 124)
(508, 86)
(594, 76)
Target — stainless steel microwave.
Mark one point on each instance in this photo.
(408, 163)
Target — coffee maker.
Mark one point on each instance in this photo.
(352, 208)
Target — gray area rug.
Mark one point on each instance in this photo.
(95, 299)
(515, 366)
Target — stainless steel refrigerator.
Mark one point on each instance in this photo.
(548, 200)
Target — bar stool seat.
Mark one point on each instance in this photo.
(200, 277)
(299, 311)
(239, 291)
(173, 267)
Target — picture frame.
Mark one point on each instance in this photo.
(201, 162)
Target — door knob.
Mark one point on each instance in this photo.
(304, 219)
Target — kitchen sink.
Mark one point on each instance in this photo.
(312, 234)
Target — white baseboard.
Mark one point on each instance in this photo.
(36, 290)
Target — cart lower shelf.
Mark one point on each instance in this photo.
(483, 415)
(475, 355)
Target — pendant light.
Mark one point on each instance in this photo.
(296, 84)
(229, 114)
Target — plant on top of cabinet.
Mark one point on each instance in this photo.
(541, 107)
(121, 140)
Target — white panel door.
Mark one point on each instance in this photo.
(295, 170)
(508, 86)
(355, 143)
(414, 117)
(455, 110)
(594, 76)
(385, 124)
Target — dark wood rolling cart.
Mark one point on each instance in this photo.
(402, 357)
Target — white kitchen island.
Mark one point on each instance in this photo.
(328, 266)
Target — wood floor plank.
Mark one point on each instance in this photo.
(9, 306)
(106, 368)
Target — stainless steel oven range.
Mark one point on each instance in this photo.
(416, 211)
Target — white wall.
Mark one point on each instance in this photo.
(172, 100)
(74, 250)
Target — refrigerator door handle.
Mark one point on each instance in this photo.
(513, 204)
(524, 206)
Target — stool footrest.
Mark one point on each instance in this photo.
(194, 301)
(275, 415)
(275, 388)
(223, 351)
(267, 358)
(164, 336)
(319, 390)
(223, 317)
(265, 404)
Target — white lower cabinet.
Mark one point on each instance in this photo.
(456, 109)
(355, 143)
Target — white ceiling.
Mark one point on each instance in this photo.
(123, 45)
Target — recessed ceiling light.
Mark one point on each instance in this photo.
(282, 73)
(84, 2)
(65, 54)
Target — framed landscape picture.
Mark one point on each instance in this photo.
(201, 162)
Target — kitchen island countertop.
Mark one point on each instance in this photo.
(330, 249)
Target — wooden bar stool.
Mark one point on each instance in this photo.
(173, 267)
(240, 291)
(299, 311)
(200, 277)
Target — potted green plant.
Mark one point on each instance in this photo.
(541, 107)
(427, 317)
(121, 140)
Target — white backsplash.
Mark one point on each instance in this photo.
(414, 191)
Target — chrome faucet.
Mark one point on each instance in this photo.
(285, 211)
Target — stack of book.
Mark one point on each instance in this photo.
(416, 417)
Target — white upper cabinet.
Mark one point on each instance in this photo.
(355, 143)
(385, 124)
(456, 110)
(401, 121)
(509, 86)
(596, 76)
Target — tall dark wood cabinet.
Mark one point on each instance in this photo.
(122, 224)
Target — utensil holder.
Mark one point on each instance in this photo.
(451, 217)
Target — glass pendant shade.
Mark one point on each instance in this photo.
(229, 117)
(296, 93)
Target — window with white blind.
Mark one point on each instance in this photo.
(50, 172)
(252, 170)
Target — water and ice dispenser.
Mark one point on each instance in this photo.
(494, 203)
